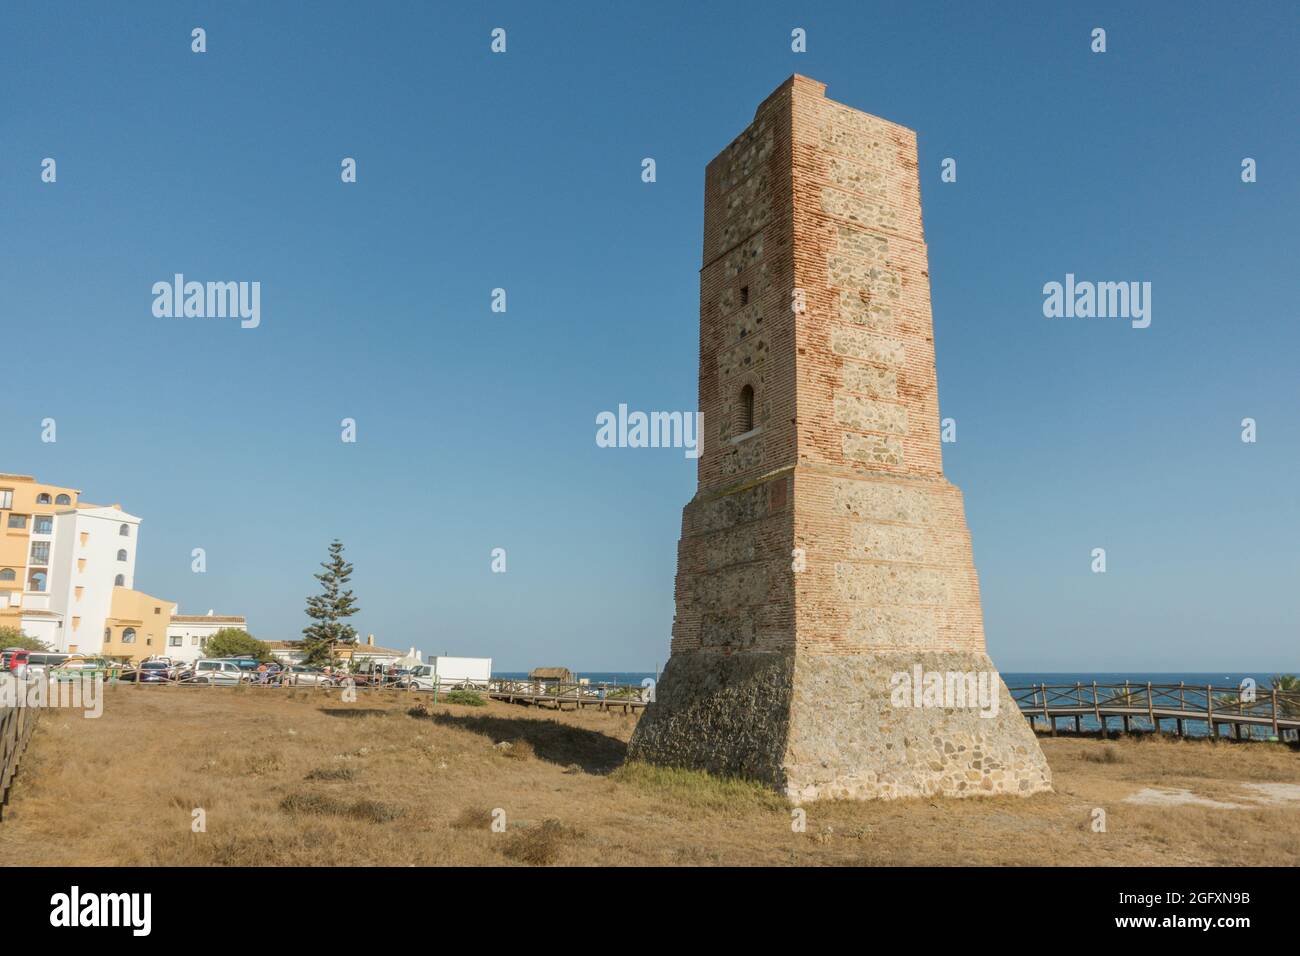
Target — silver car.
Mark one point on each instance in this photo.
(302, 675)
(216, 672)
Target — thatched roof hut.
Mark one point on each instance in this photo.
(561, 674)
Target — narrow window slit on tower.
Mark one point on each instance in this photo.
(744, 295)
(746, 409)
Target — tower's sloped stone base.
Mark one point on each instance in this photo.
(727, 714)
(849, 739)
(827, 727)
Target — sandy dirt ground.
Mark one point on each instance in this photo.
(299, 777)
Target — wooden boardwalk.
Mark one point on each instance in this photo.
(1241, 711)
(626, 697)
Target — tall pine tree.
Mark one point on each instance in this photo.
(329, 609)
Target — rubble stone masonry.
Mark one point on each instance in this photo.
(824, 551)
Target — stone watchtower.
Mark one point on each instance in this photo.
(825, 564)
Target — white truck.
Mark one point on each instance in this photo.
(451, 673)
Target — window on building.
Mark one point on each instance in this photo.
(174, 641)
(8, 574)
(63, 500)
(121, 555)
(6, 498)
(42, 499)
(119, 581)
(744, 295)
(43, 524)
(124, 530)
(36, 581)
(128, 636)
(108, 635)
(40, 552)
(157, 610)
(17, 521)
(194, 642)
(745, 414)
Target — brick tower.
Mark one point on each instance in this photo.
(824, 554)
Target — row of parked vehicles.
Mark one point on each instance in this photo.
(24, 663)
(235, 670)
(228, 670)
(213, 670)
(163, 670)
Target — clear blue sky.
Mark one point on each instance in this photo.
(476, 430)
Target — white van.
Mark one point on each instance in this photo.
(217, 672)
(450, 672)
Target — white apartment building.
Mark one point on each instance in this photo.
(92, 551)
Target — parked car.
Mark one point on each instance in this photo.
(217, 672)
(152, 672)
(7, 655)
(82, 662)
(37, 664)
(78, 664)
(15, 658)
(301, 674)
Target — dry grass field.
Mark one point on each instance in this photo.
(301, 778)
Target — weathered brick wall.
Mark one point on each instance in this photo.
(866, 346)
(734, 591)
(889, 566)
(746, 328)
(819, 197)
(889, 561)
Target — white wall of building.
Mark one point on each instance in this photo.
(107, 531)
(44, 629)
(288, 655)
(191, 634)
